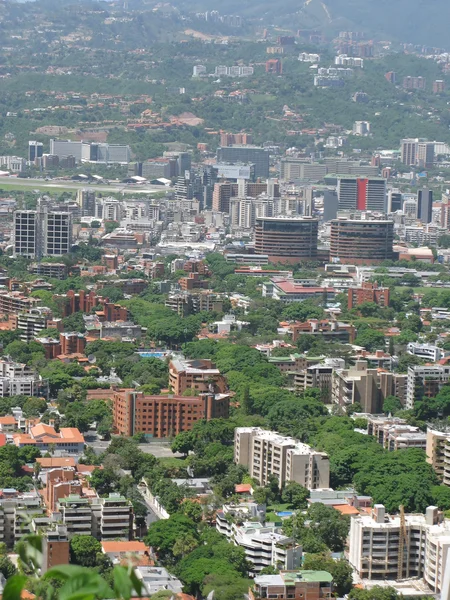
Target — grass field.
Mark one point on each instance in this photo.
(20, 187)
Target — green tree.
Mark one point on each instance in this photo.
(163, 534)
(84, 550)
(391, 405)
(340, 570)
(295, 494)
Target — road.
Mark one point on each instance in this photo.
(77, 185)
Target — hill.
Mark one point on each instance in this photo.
(413, 21)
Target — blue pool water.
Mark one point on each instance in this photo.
(285, 513)
(152, 354)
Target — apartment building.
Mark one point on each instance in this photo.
(368, 292)
(318, 376)
(438, 451)
(368, 387)
(109, 518)
(425, 382)
(15, 302)
(17, 378)
(191, 303)
(378, 542)
(16, 511)
(31, 323)
(267, 453)
(42, 232)
(200, 375)
(295, 585)
(53, 270)
(264, 545)
(394, 433)
(164, 416)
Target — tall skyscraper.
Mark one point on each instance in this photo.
(35, 150)
(246, 155)
(361, 194)
(41, 232)
(394, 201)
(86, 201)
(425, 205)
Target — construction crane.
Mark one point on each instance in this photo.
(402, 541)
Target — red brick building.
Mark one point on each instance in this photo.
(192, 282)
(274, 66)
(164, 416)
(368, 292)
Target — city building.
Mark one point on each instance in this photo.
(35, 150)
(221, 197)
(15, 302)
(200, 375)
(425, 206)
(42, 232)
(368, 292)
(361, 128)
(49, 269)
(387, 547)
(409, 148)
(246, 154)
(290, 290)
(425, 351)
(361, 194)
(274, 66)
(394, 433)
(18, 379)
(44, 437)
(414, 83)
(425, 155)
(367, 387)
(361, 241)
(438, 86)
(267, 453)
(164, 416)
(318, 376)
(158, 579)
(31, 323)
(264, 545)
(295, 585)
(286, 240)
(438, 451)
(91, 152)
(425, 382)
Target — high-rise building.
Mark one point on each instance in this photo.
(394, 201)
(409, 151)
(266, 453)
(438, 86)
(286, 240)
(361, 241)
(361, 194)
(425, 205)
(425, 155)
(41, 232)
(221, 196)
(86, 201)
(414, 83)
(86, 152)
(247, 155)
(35, 150)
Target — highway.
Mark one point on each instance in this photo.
(41, 184)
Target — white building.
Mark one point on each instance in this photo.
(377, 540)
(310, 58)
(349, 61)
(264, 545)
(361, 128)
(199, 71)
(425, 351)
(15, 164)
(425, 381)
(267, 453)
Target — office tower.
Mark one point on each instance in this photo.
(85, 152)
(425, 155)
(247, 155)
(425, 205)
(41, 232)
(409, 151)
(394, 201)
(286, 240)
(35, 150)
(361, 241)
(86, 201)
(64, 148)
(361, 128)
(361, 194)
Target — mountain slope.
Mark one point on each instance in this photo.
(414, 21)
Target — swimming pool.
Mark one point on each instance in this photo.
(284, 513)
(155, 354)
